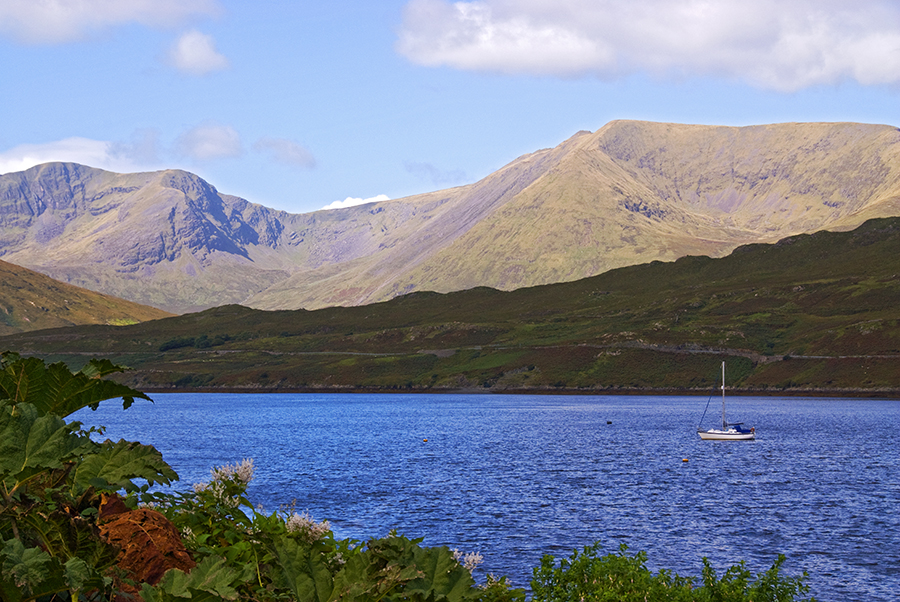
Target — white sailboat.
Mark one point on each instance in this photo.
(729, 431)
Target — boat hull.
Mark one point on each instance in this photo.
(729, 435)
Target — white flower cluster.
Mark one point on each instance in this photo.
(187, 534)
(308, 529)
(221, 475)
(243, 471)
(469, 561)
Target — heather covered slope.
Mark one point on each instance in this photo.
(629, 193)
(33, 301)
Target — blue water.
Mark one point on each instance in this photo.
(517, 477)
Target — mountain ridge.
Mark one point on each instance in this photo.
(630, 192)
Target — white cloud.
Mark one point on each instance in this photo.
(60, 21)
(118, 157)
(141, 152)
(772, 44)
(287, 152)
(195, 53)
(438, 177)
(350, 202)
(209, 141)
(143, 148)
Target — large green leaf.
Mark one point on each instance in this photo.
(31, 444)
(116, 464)
(443, 578)
(209, 580)
(31, 573)
(28, 573)
(303, 570)
(80, 576)
(358, 580)
(55, 389)
(25, 567)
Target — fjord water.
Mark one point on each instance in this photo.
(516, 477)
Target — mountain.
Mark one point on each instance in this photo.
(629, 193)
(32, 301)
(811, 314)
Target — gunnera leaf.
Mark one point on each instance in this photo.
(55, 389)
(31, 444)
(212, 576)
(443, 578)
(118, 463)
(28, 573)
(24, 566)
(303, 570)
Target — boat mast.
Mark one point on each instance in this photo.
(724, 422)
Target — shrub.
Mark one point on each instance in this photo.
(619, 577)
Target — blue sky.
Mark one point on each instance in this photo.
(296, 105)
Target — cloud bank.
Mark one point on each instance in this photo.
(209, 141)
(119, 157)
(438, 177)
(195, 53)
(61, 21)
(286, 152)
(143, 151)
(784, 46)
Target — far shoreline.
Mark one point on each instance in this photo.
(625, 392)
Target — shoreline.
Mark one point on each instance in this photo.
(807, 393)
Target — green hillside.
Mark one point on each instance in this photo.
(811, 314)
(32, 301)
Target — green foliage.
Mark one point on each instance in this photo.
(396, 568)
(114, 466)
(620, 577)
(54, 389)
(200, 342)
(211, 579)
(32, 573)
(302, 570)
(52, 475)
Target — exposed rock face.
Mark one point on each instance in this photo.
(629, 193)
(167, 238)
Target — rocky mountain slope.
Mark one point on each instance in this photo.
(629, 193)
(33, 301)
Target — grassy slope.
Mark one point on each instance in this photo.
(32, 301)
(813, 312)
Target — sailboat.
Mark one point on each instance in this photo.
(729, 431)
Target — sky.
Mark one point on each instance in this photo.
(301, 105)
